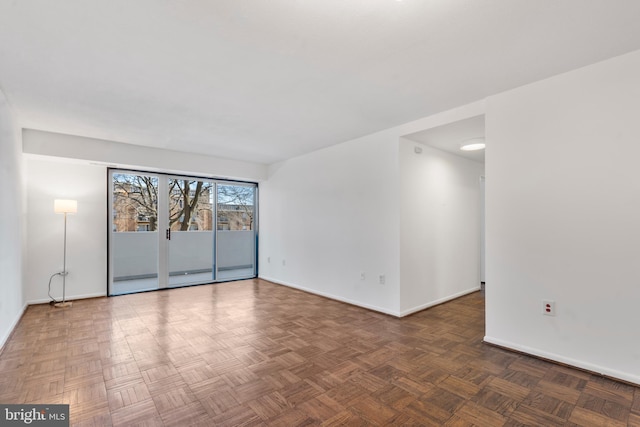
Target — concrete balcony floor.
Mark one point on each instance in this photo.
(129, 286)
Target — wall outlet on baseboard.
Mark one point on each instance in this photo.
(383, 279)
(548, 308)
(362, 275)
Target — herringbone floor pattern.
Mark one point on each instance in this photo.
(254, 353)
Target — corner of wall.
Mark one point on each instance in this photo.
(12, 246)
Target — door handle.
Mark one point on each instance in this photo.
(168, 234)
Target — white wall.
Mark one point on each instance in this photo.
(331, 215)
(11, 223)
(128, 155)
(439, 226)
(49, 179)
(483, 257)
(335, 213)
(563, 203)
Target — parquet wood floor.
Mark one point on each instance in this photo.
(254, 353)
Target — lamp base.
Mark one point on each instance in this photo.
(63, 304)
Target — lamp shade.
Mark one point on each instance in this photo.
(65, 206)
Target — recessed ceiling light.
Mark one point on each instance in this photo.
(473, 144)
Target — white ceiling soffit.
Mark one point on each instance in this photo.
(449, 137)
(268, 80)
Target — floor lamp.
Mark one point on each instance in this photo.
(64, 207)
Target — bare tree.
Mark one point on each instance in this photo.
(185, 195)
(238, 197)
(136, 201)
(136, 195)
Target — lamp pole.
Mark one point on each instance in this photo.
(65, 207)
(64, 262)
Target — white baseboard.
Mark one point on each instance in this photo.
(69, 298)
(373, 307)
(333, 297)
(438, 301)
(581, 364)
(6, 336)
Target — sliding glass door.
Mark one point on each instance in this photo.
(235, 231)
(169, 231)
(191, 212)
(133, 242)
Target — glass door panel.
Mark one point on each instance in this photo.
(191, 235)
(235, 231)
(134, 233)
(169, 231)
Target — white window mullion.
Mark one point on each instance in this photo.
(163, 226)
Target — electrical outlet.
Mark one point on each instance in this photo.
(383, 279)
(362, 275)
(269, 259)
(548, 308)
(284, 263)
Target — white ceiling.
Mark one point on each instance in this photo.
(449, 137)
(267, 80)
